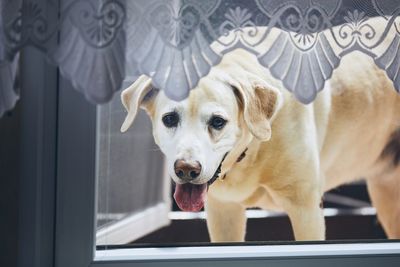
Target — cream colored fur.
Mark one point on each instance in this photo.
(295, 152)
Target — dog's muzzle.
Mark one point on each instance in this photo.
(191, 197)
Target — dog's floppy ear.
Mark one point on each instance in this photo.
(139, 93)
(260, 103)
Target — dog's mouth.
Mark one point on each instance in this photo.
(191, 197)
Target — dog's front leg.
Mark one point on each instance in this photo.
(226, 221)
(307, 219)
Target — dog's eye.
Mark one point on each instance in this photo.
(217, 122)
(170, 119)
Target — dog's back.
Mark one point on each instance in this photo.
(351, 131)
(364, 113)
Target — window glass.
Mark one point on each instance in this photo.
(130, 168)
(295, 112)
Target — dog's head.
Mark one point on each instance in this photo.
(214, 124)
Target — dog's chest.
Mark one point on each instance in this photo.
(236, 187)
(248, 194)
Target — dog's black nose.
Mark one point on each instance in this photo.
(187, 170)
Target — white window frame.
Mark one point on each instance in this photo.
(57, 193)
(75, 224)
(242, 252)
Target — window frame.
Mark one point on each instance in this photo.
(57, 182)
(75, 216)
(37, 159)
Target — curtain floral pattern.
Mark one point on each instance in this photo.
(100, 44)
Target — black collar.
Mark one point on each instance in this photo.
(242, 155)
(218, 171)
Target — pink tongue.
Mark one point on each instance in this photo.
(190, 197)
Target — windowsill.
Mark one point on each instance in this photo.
(260, 251)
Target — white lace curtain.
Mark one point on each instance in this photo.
(98, 44)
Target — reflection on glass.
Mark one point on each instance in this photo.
(130, 172)
(253, 107)
(134, 196)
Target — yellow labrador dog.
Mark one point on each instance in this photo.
(241, 140)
